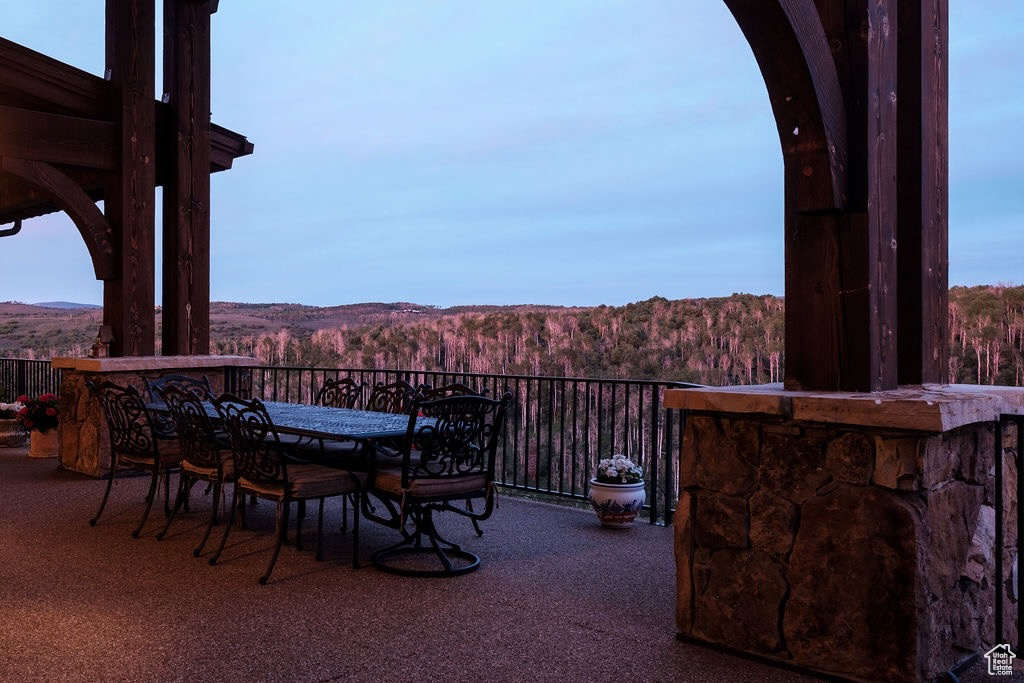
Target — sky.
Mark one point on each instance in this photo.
(454, 152)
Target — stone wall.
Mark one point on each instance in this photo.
(857, 551)
(84, 440)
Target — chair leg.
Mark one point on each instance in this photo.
(106, 493)
(355, 531)
(282, 523)
(235, 498)
(300, 514)
(183, 484)
(344, 514)
(213, 518)
(476, 524)
(390, 559)
(149, 503)
(320, 532)
(166, 472)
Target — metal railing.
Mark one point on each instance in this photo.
(1002, 545)
(19, 377)
(558, 430)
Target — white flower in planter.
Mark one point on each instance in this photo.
(619, 469)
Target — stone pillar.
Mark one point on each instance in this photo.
(84, 441)
(850, 534)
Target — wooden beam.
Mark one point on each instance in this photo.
(796, 62)
(23, 200)
(186, 197)
(882, 194)
(128, 302)
(57, 139)
(34, 81)
(69, 196)
(225, 147)
(825, 245)
(923, 179)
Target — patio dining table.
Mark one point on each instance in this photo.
(324, 422)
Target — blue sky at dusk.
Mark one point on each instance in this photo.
(577, 152)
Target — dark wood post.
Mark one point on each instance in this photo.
(863, 82)
(923, 169)
(882, 360)
(128, 299)
(186, 194)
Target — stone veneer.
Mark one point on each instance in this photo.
(82, 431)
(851, 534)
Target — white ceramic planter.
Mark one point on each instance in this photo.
(617, 505)
(11, 433)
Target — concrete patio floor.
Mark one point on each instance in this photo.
(557, 598)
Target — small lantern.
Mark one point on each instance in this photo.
(101, 347)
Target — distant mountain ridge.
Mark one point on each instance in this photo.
(48, 329)
(65, 304)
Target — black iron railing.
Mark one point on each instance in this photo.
(1002, 544)
(559, 429)
(19, 377)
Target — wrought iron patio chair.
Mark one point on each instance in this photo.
(205, 454)
(456, 450)
(200, 386)
(426, 392)
(340, 392)
(264, 468)
(135, 444)
(396, 397)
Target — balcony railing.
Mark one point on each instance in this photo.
(26, 378)
(558, 430)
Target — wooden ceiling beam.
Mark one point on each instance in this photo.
(34, 81)
(57, 138)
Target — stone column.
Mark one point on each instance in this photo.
(850, 534)
(84, 440)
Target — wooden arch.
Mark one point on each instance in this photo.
(70, 197)
(859, 93)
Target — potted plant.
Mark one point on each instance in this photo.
(39, 417)
(617, 492)
(11, 433)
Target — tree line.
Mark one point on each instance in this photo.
(716, 341)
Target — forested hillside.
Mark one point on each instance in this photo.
(717, 341)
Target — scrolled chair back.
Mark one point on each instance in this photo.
(396, 397)
(129, 421)
(454, 389)
(163, 424)
(462, 438)
(197, 436)
(341, 392)
(198, 386)
(255, 444)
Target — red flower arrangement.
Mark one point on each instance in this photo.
(38, 413)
